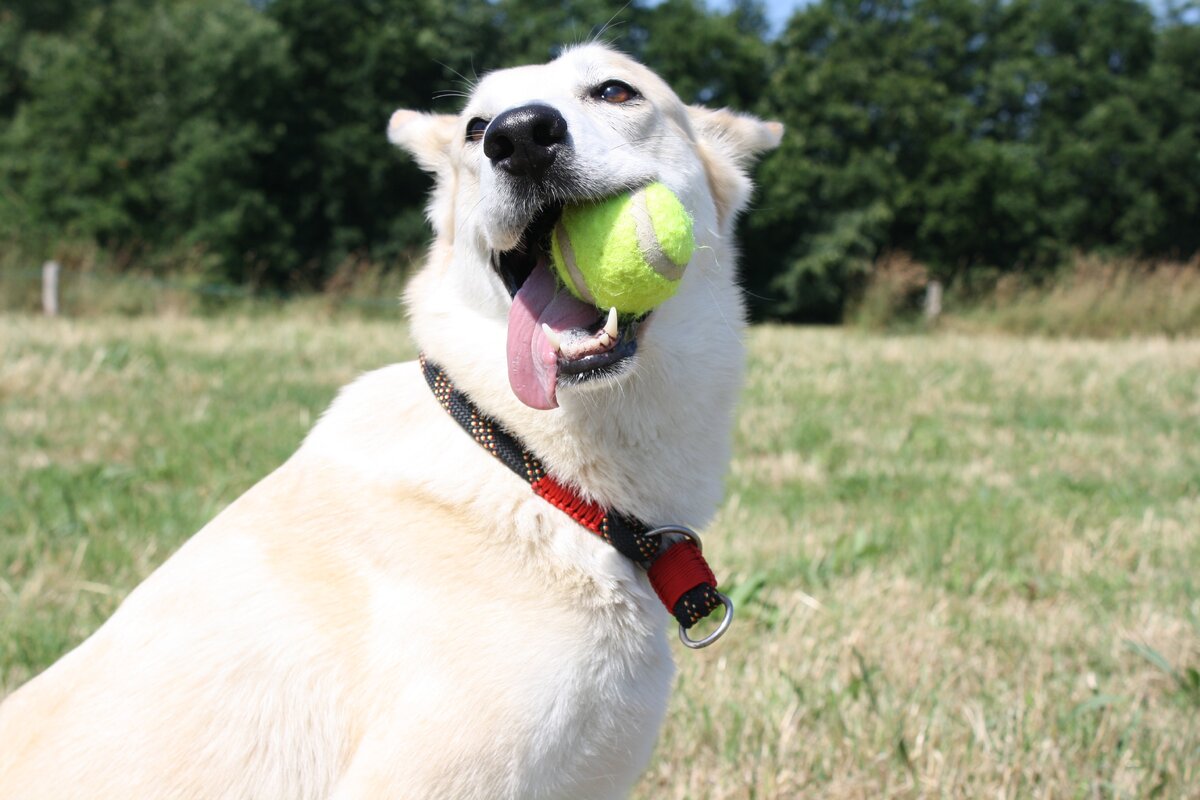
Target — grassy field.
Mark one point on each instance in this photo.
(966, 566)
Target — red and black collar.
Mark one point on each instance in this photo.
(676, 568)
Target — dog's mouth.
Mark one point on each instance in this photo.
(553, 338)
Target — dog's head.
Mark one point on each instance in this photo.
(589, 125)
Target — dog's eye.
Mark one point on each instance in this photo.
(615, 92)
(475, 129)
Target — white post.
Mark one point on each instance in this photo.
(933, 300)
(50, 272)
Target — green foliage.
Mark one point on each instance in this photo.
(257, 136)
(22, 18)
(529, 32)
(973, 133)
(342, 186)
(151, 126)
(1005, 134)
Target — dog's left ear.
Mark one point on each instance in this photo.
(728, 144)
(426, 136)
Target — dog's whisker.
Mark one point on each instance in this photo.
(604, 28)
(641, 140)
(471, 84)
(709, 285)
(471, 212)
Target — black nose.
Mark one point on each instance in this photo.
(525, 140)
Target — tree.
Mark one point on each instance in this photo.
(149, 126)
(972, 133)
(866, 91)
(20, 19)
(335, 176)
(998, 133)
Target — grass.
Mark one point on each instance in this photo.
(95, 282)
(1095, 297)
(965, 565)
(1092, 296)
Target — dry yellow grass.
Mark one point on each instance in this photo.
(961, 546)
(965, 565)
(1093, 296)
(1102, 297)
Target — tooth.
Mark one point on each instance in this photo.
(610, 327)
(552, 337)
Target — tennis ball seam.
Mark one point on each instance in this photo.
(648, 242)
(565, 253)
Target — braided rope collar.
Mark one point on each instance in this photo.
(677, 570)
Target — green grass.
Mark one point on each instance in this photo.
(965, 566)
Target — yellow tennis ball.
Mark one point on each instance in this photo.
(627, 251)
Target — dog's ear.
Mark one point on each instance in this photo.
(426, 136)
(741, 137)
(728, 143)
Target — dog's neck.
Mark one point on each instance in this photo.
(656, 444)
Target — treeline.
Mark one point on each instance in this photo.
(997, 134)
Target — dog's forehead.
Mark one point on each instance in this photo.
(577, 69)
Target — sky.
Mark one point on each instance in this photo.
(778, 12)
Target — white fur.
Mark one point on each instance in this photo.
(392, 613)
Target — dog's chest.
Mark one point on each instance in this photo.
(539, 696)
(510, 651)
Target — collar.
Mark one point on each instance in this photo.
(675, 566)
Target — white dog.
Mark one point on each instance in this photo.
(392, 612)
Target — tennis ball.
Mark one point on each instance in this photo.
(627, 251)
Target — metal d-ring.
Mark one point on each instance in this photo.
(696, 644)
(682, 530)
(694, 538)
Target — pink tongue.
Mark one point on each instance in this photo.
(532, 361)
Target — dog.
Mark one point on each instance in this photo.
(392, 613)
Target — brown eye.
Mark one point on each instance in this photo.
(615, 92)
(475, 129)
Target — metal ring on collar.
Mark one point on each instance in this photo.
(682, 530)
(696, 644)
